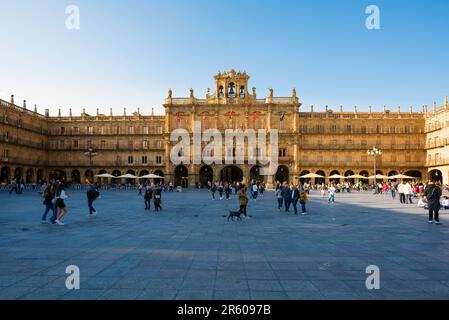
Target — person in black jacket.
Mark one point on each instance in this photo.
(294, 197)
(287, 195)
(148, 196)
(92, 195)
(433, 194)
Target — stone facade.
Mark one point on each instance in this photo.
(36, 146)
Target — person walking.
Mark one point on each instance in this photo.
(213, 189)
(243, 199)
(220, 190)
(393, 191)
(48, 196)
(13, 187)
(408, 192)
(295, 197)
(432, 192)
(255, 191)
(60, 205)
(286, 194)
(148, 196)
(157, 199)
(92, 195)
(331, 193)
(303, 200)
(278, 194)
(401, 187)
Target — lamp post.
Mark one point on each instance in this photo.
(374, 152)
(90, 153)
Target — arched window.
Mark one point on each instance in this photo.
(242, 92)
(220, 92)
(231, 90)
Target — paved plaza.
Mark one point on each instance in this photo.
(191, 251)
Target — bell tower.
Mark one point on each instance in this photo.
(231, 86)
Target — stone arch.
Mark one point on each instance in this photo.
(206, 175)
(282, 174)
(181, 176)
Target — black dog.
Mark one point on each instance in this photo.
(233, 214)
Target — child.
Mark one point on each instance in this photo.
(422, 202)
(303, 200)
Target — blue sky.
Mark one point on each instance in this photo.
(129, 53)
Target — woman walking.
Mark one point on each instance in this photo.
(278, 194)
(243, 199)
(148, 196)
(62, 208)
(157, 199)
(48, 196)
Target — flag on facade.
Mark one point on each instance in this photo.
(255, 116)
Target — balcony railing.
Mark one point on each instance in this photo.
(364, 147)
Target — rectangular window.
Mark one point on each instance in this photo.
(88, 143)
(7, 136)
(90, 130)
(62, 130)
(348, 128)
(61, 144)
(363, 129)
(282, 152)
(159, 159)
(333, 128)
(145, 130)
(103, 144)
(5, 154)
(75, 143)
(130, 160)
(101, 130)
(159, 130)
(144, 160)
(145, 144)
(76, 130)
(159, 144)
(130, 144)
(304, 128)
(130, 130)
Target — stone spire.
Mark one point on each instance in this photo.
(24, 104)
(110, 112)
(124, 111)
(341, 108)
(355, 109)
(434, 106)
(35, 108)
(152, 111)
(294, 92)
(399, 109)
(12, 99)
(370, 109)
(311, 108)
(98, 112)
(59, 112)
(70, 112)
(446, 103)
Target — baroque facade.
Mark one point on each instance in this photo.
(36, 147)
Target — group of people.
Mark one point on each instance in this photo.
(290, 195)
(54, 195)
(17, 186)
(153, 193)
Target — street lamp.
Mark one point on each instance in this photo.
(90, 153)
(374, 152)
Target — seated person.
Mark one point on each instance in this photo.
(422, 203)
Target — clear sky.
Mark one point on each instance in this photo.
(129, 53)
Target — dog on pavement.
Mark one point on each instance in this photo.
(235, 214)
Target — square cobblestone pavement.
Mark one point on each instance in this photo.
(190, 250)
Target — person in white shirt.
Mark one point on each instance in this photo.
(331, 192)
(401, 187)
(255, 191)
(408, 193)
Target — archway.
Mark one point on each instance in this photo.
(39, 176)
(231, 174)
(29, 177)
(282, 174)
(436, 175)
(88, 176)
(337, 173)
(143, 173)
(18, 173)
(303, 173)
(102, 180)
(131, 181)
(159, 180)
(254, 175)
(392, 173)
(364, 173)
(181, 176)
(418, 175)
(206, 175)
(116, 173)
(58, 175)
(320, 180)
(76, 176)
(4, 177)
(347, 174)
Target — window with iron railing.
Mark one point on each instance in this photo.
(158, 159)
(145, 144)
(144, 159)
(130, 159)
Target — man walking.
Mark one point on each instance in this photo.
(92, 195)
(433, 194)
(287, 195)
(401, 187)
(295, 198)
(408, 193)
